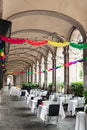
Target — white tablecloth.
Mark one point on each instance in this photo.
(51, 97)
(34, 103)
(75, 103)
(72, 106)
(15, 91)
(64, 99)
(43, 110)
(81, 121)
(29, 100)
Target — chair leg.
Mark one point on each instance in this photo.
(56, 120)
(48, 118)
(35, 110)
(47, 121)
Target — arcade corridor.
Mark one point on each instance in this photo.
(43, 52)
(14, 115)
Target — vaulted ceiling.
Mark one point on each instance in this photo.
(41, 20)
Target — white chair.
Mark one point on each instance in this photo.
(52, 112)
(80, 121)
(80, 104)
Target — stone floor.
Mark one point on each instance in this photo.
(14, 115)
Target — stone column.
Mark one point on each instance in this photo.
(19, 78)
(45, 74)
(1, 76)
(5, 27)
(85, 69)
(14, 80)
(26, 76)
(35, 74)
(66, 70)
(32, 74)
(29, 76)
(39, 75)
(54, 73)
(5, 80)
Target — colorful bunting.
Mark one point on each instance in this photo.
(41, 43)
(13, 40)
(51, 69)
(2, 55)
(79, 46)
(34, 43)
(58, 44)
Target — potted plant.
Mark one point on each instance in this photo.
(85, 96)
(77, 88)
(86, 110)
(61, 86)
(50, 87)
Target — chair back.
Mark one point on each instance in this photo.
(23, 93)
(39, 102)
(53, 109)
(32, 98)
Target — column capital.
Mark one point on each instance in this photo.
(53, 58)
(39, 65)
(45, 58)
(45, 62)
(66, 51)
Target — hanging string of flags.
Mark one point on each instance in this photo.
(36, 43)
(51, 69)
(2, 56)
(42, 43)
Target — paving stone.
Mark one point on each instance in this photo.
(14, 115)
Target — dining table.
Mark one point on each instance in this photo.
(43, 109)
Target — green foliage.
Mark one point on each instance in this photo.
(61, 85)
(85, 96)
(77, 88)
(86, 111)
(43, 86)
(28, 86)
(80, 74)
(50, 85)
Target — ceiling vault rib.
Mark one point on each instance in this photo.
(70, 33)
(12, 63)
(15, 69)
(42, 32)
(16, 58)
(28, 63)
(21, 60)
(51, 14)
(25, 57)
(31, 49)
(37, 31)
